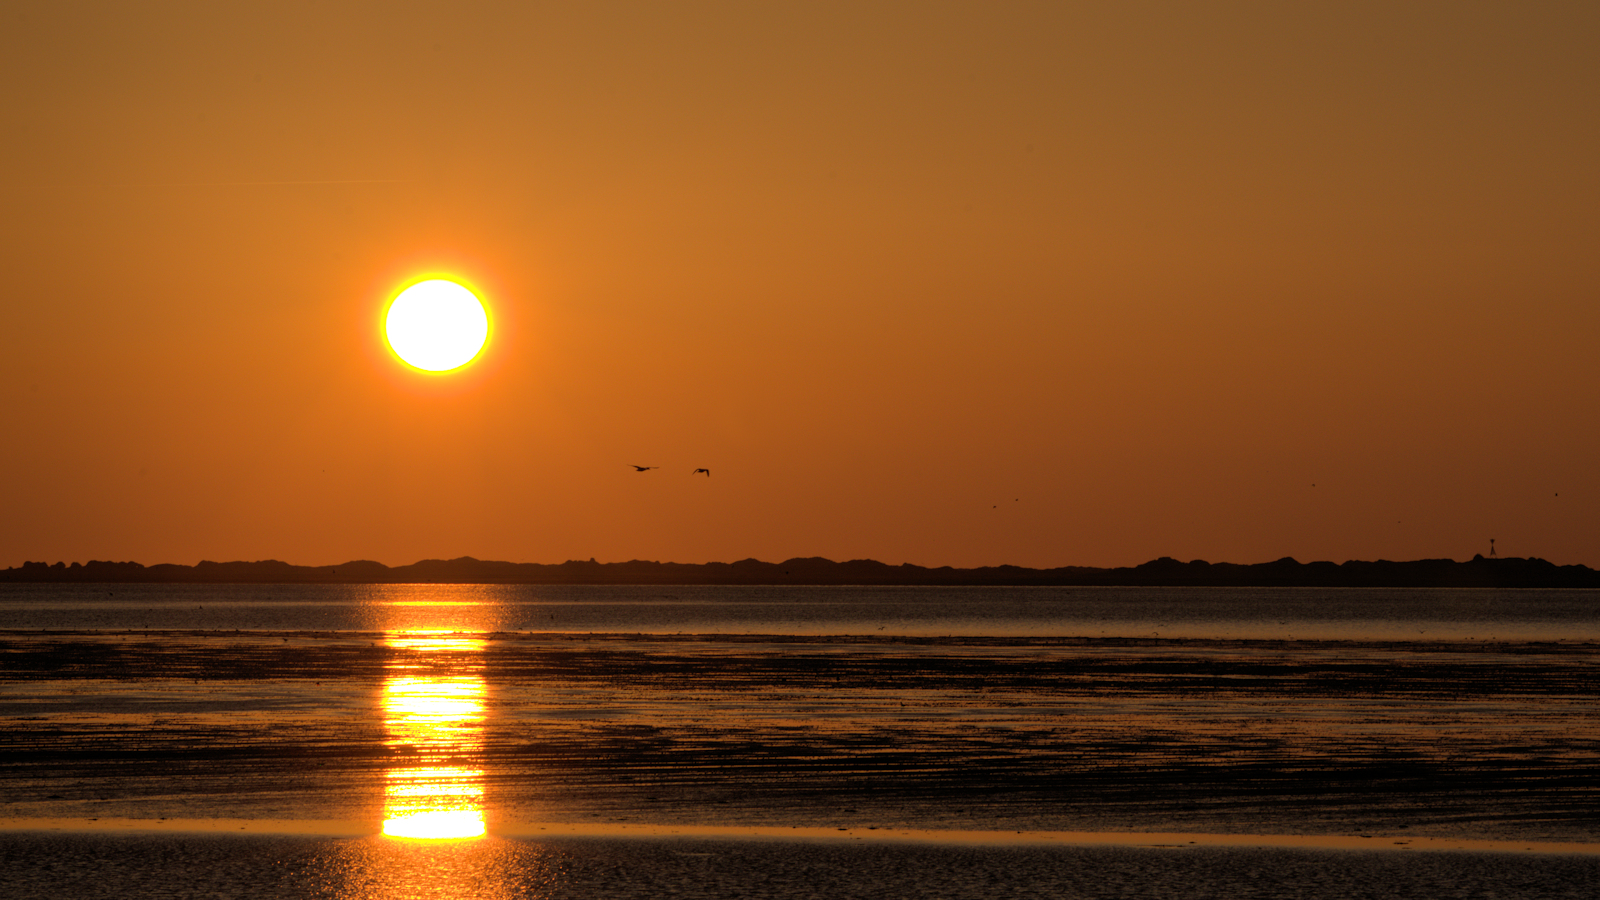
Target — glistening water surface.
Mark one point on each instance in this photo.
(480, 714)
(1261, 613)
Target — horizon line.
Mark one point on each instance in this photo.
(750, 559)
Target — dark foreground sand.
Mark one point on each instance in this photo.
(112, 867)
(1278, 737)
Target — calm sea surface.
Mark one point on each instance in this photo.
(537, 741)
(1274, 613)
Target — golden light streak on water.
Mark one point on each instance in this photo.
(434, 640)
(438, 720)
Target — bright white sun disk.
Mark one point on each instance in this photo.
(437, 325)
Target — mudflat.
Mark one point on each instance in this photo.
(1447, 739)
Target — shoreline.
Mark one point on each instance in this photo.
(354, 829)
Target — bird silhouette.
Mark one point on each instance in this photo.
(644, 468)
(705, 472)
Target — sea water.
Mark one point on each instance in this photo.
(1201, 612)
(576, 727)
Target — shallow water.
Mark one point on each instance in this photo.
(440, 709)
(1002, 733)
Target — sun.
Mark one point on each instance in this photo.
(436, 325)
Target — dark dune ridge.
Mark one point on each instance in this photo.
(1510, 572)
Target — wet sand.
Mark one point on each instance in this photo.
(94, 866)
(1394, 741)
(351, 828)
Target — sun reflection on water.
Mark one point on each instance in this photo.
(436, 721)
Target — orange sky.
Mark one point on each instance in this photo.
(941, 283)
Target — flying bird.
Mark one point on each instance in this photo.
(644, 468)
(706, 472)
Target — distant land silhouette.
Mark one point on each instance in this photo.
(1287, 572)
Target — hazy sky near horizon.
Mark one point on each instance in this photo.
(943, 283)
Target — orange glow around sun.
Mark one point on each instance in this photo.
(436, 325)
